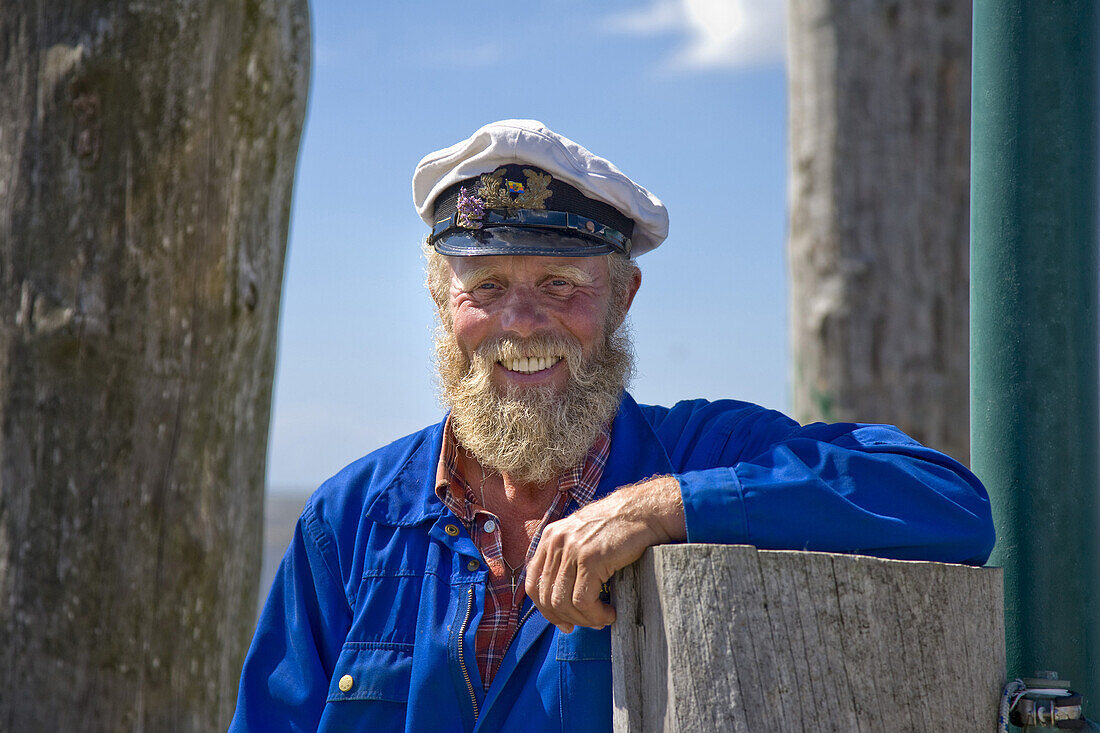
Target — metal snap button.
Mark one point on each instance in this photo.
(346, 683)
(451, 529)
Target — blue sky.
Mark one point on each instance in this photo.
(688, 97)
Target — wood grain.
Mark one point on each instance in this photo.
(147, 155)
(729, 638)
(878, 245)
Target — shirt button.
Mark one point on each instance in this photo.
(451, 529)
(490, 526)
(346, 682)
(473, 565)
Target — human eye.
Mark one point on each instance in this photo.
(484, 289)
(559, 284)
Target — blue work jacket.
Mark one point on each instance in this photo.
(371, 620)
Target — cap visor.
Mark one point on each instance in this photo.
(519, 241)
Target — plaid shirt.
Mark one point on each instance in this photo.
(503, 601)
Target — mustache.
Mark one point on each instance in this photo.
(541, 345)
(583, 371)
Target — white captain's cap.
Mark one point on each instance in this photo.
(516, 187)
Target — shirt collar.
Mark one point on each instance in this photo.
(579, 482)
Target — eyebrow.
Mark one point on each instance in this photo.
(475, 275)
(570, 271)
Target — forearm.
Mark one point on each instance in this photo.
(870, 496)
(655, 503)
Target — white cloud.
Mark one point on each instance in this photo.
(719, 34)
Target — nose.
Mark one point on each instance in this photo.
(521, 313)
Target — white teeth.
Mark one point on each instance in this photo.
(530, 364)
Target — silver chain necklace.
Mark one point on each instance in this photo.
(513, 573)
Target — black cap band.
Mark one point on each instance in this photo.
(546, 216)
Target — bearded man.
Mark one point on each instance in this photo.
(457, 579)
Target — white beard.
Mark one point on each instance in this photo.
(532, 434)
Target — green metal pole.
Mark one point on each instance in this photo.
(1034, 345)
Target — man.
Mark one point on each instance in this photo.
(455, 580)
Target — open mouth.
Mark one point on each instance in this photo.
(529, 364)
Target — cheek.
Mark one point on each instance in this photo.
(469, 327)
(587, 324)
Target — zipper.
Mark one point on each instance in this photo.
(462, 657)
(462, 635)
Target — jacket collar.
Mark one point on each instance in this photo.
(409, 498)
(636, 453)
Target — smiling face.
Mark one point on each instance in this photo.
(529, 307)
(531, 358)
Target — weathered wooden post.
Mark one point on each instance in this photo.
(147, 152)
(879, 96)
(731, 638)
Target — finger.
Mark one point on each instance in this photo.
(533, 575)
(554, 593)
(561, 596)
(540, 589)
(543, 597)
(586, 601)
(561, 593)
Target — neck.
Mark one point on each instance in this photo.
(503, 494)
(527, 497)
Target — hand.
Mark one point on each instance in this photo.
(578, 553)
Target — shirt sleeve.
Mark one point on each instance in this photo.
(756, 477)
(285, 679)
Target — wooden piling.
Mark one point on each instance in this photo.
(731, 638)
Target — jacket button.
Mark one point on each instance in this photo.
(451, 529)
(473, 565)
(346, 682)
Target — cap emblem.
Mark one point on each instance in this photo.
(494, 190)
(495, 193)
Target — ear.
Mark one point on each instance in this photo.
(631, 291)
(635, 283)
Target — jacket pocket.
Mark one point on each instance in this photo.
(584, 644)
(372, 671)
(386, 608)
(584, 674)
